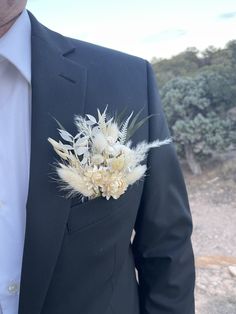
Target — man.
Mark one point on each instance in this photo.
(61, 256)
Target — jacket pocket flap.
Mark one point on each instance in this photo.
(84, 214)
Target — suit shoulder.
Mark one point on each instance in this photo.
(85, 51)
(96, 52)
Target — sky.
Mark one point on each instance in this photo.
(145, 28)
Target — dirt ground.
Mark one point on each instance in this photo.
(212, 197)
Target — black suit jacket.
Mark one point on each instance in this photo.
(78, 258)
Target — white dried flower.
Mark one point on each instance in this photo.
(112, 133)
(97, 159)
(99, 142)
(100, 160)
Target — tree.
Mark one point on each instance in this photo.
(197, 121)
(208, 55)
(231, 48)
(185, 63)
(199, 93)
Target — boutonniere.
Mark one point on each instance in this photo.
(100, 160)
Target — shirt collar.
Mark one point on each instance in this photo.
(15, 45)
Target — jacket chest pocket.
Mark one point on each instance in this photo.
(93, 212)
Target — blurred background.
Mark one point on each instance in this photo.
(192, 47)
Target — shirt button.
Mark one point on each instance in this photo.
(13, 288)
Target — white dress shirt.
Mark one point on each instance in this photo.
(15, 124)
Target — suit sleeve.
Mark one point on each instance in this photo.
(162, 247)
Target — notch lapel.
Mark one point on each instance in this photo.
(58, 90)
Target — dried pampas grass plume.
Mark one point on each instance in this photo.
(73, 181)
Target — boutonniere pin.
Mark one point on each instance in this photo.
(100, 160)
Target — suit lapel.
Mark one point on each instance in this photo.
(58, 90)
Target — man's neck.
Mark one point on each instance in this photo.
(5, 28)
